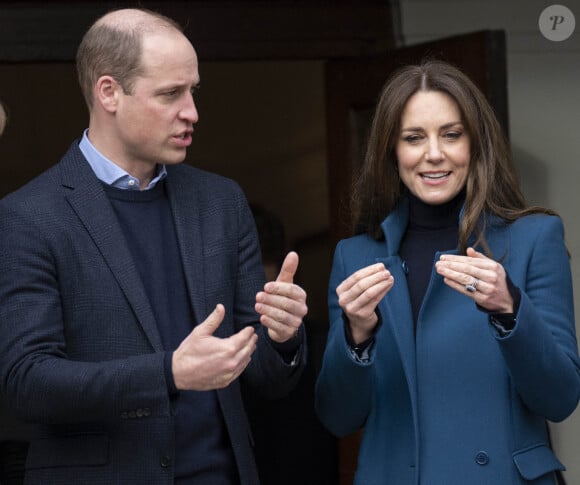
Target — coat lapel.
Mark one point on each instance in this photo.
(89, 201)
(396, 311)
(396, 306)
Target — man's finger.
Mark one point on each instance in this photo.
(213, 321)
(289, 268)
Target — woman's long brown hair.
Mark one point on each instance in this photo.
(492, 185)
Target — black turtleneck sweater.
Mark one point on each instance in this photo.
(431, 228)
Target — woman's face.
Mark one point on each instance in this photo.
(433, 149)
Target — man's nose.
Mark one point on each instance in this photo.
(189, 110)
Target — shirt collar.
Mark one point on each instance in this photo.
(110, 173)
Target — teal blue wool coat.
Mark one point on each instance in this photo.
(456, 404)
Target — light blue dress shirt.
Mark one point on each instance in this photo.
(110, 173)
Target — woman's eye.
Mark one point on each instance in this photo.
(412, 138)
(453, 135)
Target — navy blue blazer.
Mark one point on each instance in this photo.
(81, 355)
(456, 403)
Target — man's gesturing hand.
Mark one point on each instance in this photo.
(282, 304)
(203, 362)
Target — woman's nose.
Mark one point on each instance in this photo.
(434, 152)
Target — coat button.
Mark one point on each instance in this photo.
(165, 461)
(405, 267)
(482, 458)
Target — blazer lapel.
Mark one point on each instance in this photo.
(89, 201)
(186, 206)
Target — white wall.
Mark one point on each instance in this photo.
(544, 110)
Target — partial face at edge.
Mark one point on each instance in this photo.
(3, 119)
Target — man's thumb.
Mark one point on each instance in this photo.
(289, 267)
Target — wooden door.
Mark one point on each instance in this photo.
(352, 88)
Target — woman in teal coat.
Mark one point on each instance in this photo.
(452, 338)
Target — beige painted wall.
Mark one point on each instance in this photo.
(544, 109)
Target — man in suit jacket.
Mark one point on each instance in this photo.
(13, 435)
(132, 289)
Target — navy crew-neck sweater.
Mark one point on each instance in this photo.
(431, 228)
(203, 452)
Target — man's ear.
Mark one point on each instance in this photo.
(107, 93)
